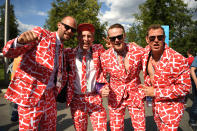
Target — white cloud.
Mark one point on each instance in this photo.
(32, 12)
(191, 3)
(120, 11)
(40, 13)
(24, 27)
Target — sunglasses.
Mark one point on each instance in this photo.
(159, 37)
(67, 27)
(119, 37)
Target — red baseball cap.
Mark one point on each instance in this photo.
(85, 27)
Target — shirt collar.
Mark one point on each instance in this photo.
(58, 42)
(81, 51)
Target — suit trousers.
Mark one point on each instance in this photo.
(88, 104)
(44, 113)
(137, 114)
(167, 115)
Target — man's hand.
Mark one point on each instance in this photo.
(105, 91)
(108, 44)
(26, 37)
(149, 91)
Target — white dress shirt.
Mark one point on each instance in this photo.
(90, 72)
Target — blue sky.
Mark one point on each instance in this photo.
(30, 13)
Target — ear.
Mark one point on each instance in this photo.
(58, 25)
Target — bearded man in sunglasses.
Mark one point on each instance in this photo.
(33, 87)
(121, 64)
(166, 79)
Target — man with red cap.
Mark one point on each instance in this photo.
(84, 70)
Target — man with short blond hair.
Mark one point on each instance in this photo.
(121, 65)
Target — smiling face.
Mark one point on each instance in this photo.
(66, 28)
(116, 37)
(85, 40)
(155, 39)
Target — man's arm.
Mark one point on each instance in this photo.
(181, 84)
(179, 88)
(193, 74)
(21, 44)
(103, 89)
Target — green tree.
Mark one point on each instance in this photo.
(134, 34)
(12, 25)
(189, 40)
(165, 12)
(85, 11)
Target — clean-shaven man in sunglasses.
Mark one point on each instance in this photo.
(121, 65)
(167, 79)
(33, 87)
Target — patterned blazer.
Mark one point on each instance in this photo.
(33, 74)
(97, 49)
(171, 81)
(122, 82)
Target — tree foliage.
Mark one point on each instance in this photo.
(174, 13)
(84, 11)
(12, 24)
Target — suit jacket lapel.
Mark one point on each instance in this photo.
(163, 62)
(117, 69)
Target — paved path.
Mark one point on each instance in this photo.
(64, 121)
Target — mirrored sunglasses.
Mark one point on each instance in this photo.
(159, 37)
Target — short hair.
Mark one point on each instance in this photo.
(117, 25)
(191, 51)
(154, 26)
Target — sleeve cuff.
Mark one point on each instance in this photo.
(154, 92)
(16, 44)
(99, 86)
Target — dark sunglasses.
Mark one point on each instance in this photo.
(159, 37)
(119, 37)
(67, 27)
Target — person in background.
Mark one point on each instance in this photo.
(14, 115)
(166, 78)
(121, 65)
(33, 87)
(82, 95)
(190, 57)
(193, 111)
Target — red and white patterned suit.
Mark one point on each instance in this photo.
(86, 104)
(124, 89)
(172, 83)
(28, 87)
